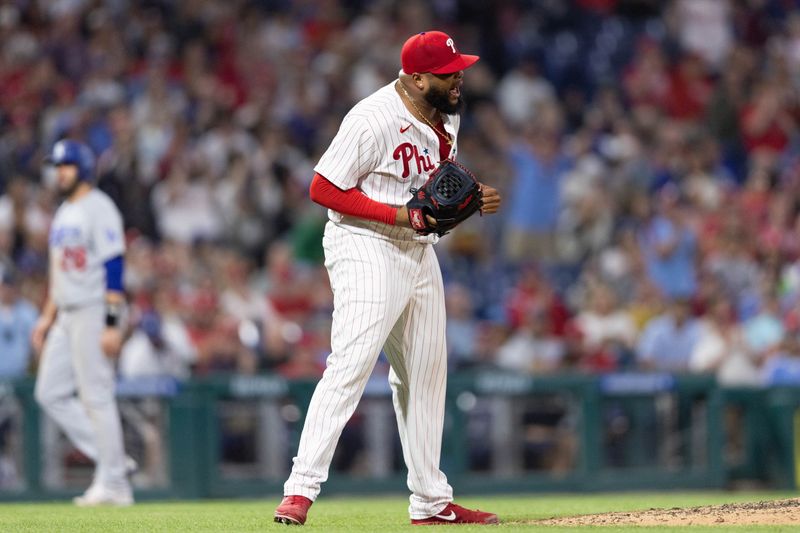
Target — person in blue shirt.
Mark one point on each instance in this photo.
(669, 247)
(17, 318)
(765, 332)
(667, 341)
(539, 167)
(783, 369)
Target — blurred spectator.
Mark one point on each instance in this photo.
(156, 348)
(706, 182)
(766, 122)
(121, 177)
(538, 165)
(185, 208)
(646, 303)
(532, 291)
(721, 350)
(246, 304)
(461, 327)
(532, 348)
(490, 337)
(521, 91)
(646, 79)
(584, 227)
(17, 318)
(667, 342)
(216, 337)
(790, 44)
(706, 28)
(728, 98)
(307, 362)
(669, 245)
(782, 368)
(608, 332)
(245, 227)
(619, 265)
(690, 89)
(733, 264)
(764, 333)
(25, 217)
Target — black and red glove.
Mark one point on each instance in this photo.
(450, 196)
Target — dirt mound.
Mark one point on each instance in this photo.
(774, 512)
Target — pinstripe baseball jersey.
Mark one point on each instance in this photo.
(388, 293)
(383, 150)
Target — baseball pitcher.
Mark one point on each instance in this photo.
(392, 188)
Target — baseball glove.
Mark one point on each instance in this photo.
(450, 196)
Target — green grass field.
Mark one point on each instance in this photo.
(353, 514)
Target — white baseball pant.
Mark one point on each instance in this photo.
(72, 361)
(387, 294)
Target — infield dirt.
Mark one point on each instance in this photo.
(775, 512)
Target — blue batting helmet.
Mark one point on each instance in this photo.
(69, 152)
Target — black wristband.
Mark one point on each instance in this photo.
(113, 314)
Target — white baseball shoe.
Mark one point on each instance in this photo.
(97, 496)
(131, 466)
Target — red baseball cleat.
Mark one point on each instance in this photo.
(455, 514)
(293, 510)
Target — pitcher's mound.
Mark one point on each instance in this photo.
(774, 512)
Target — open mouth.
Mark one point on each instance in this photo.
(455, 92)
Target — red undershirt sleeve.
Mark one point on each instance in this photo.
(351, 202)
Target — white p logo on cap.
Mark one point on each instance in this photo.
(451, 44)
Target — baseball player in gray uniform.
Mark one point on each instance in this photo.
(78, 333)
(387, 285)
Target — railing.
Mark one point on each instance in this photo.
(235, 436)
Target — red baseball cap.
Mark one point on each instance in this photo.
(434, 52)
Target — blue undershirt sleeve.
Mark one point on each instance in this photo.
(114, 269)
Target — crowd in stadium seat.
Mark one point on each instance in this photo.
(647, 152)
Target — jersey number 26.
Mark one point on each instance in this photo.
(73, 259)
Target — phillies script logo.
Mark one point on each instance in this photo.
(409, 152)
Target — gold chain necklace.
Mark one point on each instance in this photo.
(445, 135)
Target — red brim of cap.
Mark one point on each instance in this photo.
(462, 62)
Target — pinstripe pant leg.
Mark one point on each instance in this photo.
(370, 279)
(417, 352)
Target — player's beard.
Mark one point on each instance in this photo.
(66, 192)
(440, 100)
